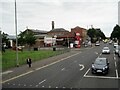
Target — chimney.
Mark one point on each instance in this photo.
(53, 24)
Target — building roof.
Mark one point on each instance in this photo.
(58, 30)
(38, 31)
(11, 37)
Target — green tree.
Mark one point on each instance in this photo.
(116, 32)
(26, 38)
(4, 38)
(95, 34)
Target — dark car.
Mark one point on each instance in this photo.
(101, 65)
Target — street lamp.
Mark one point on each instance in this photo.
(16, 35)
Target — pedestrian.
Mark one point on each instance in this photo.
(29, 62)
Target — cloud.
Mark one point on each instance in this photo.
(38, 14)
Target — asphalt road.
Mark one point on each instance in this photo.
(72, 72)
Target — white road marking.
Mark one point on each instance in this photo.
(16, 77)
(6, 72)
(81, 65)
(100, 77)
(42, 81)
(62, 69)
(39, 68)
(56, 87)
(96, 52)
(36, 85)
(115, 64)
(87, 72)
(49, 86)
(116, 73)
(100, 54)
(114, 58)
(18, 84)
(43, 86)
(57, 61)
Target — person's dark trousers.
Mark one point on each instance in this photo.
(29, 65)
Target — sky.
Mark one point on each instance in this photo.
(67, 14)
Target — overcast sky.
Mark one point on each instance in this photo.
(67, 14)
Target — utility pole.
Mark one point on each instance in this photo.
(17, 64)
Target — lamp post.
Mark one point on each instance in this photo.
(68, 41)
(17, 64)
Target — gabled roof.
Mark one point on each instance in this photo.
(38, 31)
(58, 30)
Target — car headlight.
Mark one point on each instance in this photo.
(104, 67)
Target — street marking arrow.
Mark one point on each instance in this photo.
(81, 65)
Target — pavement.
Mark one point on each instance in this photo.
(24, 69)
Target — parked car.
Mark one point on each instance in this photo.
(101, 65)
(106, 50)
(115, 45)
(97, 44)
(116, 50)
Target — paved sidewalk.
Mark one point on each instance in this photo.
(24, 68)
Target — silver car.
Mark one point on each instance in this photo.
(116, 50)
(106, 50)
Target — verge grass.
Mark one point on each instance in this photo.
(9, 57)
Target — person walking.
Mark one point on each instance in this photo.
(29, 62)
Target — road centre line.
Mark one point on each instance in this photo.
(62, 69)
(114, 58)
(39, 68)
(57, 61)
(115, 64)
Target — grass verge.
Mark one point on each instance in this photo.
(9, 57)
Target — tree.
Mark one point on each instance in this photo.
(26, 38)
(95, 34)
(116, 33)
(4, 38)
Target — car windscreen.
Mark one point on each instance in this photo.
(100, 61)
(106, 48)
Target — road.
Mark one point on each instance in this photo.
(71, 72)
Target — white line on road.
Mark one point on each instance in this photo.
(42, 81)
(114, 58)
(49, 86)
(17, 76)
(57, 61)
(62, 69)
(116, 73)
(100, 77)
(39, 68)
(87, 72)
(6, 72)
(115, 64)
(81, 65)
(96, 52)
